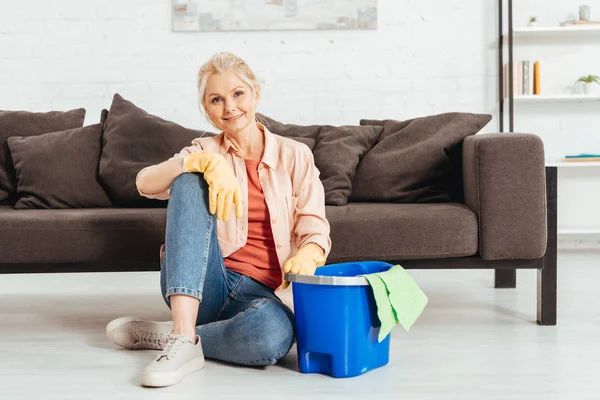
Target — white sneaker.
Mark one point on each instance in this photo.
(179, 358)
(134, 333)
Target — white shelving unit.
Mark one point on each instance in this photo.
(528, 36)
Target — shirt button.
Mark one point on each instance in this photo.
(274, 220)
(278, 245)
(268, 197)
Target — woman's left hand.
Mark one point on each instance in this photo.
(305, 262)
(300, 265)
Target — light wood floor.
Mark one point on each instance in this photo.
(472, 342)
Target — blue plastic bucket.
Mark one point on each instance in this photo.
(336, 320)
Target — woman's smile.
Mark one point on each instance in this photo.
(234, 118)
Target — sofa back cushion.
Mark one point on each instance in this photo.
(132, 140)
(26, 123)
(59, 169)
(337, 151)
(417, 160)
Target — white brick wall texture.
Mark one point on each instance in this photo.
(426, 57)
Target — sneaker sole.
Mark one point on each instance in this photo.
(161, 379)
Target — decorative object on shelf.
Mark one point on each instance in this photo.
(584, 157)
(585, 12)
(588, 82)
(532, 21)
(578, 22)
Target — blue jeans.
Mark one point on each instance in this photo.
(239, 320)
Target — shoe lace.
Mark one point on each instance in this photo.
(155, 340)
(173, 344)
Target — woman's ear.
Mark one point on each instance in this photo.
(257, 96)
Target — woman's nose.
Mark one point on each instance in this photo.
(230, 105)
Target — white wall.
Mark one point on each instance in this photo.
(426, 57)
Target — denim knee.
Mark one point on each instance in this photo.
(277, 335)
(189, 181)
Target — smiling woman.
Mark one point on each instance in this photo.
(229, 100)
(219, 272)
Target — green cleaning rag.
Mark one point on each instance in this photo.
(398, 297)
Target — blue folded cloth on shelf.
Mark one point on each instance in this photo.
(398, 297)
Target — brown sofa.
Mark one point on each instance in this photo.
(500, 212)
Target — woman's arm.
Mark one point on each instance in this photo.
(310, 224)
(155, 181)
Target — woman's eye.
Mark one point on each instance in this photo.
(239, 93)
(214, 100)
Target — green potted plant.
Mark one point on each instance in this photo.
(588, 82)
(532, 20)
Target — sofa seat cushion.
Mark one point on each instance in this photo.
(81, 235)
(386, 231)
(359, 231)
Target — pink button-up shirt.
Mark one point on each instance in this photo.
(293, 192)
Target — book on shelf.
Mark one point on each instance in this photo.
(526, 78)
(583, 157)
(536, 77)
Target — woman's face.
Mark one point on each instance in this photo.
(228, 102)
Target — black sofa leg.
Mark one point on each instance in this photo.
(547, 282)
(505, 279)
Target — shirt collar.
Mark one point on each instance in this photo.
(270, 155)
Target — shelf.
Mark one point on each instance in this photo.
(554, 30)
(572, 164)
(555, 98)
(578, 231)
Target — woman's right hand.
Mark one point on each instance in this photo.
(223, 187)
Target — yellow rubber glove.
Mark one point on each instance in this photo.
(305, 262)
(223, 187)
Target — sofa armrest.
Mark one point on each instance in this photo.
(505, 185)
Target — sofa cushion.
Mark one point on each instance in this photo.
(359, 231)
(26, 123)
(120, 235)
(337, 151)
(376, 231)
(309, 142)
(132, 140)
(59, 169)
(416, 161)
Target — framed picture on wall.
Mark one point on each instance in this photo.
(252, 15)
